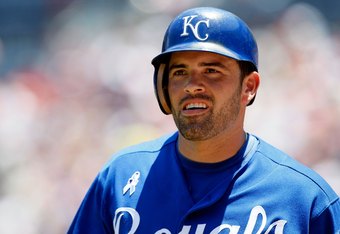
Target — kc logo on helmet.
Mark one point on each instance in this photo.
(194, 27)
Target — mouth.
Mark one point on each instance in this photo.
(193, 108)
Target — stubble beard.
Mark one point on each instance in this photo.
(199, 128)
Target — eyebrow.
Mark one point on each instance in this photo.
(212, 64)
(203, 64)
(175, 66)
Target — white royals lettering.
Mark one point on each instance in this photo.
(256, 213)
(194, 27)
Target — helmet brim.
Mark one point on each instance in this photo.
(198, 46)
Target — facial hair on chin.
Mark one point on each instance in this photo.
(212, 123)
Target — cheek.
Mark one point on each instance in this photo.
(229, 91)
(173, 92)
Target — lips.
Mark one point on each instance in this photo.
(194, 107)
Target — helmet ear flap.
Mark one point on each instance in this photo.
(161, 89)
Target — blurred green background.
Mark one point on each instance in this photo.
(76, 86)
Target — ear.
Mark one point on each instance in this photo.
(250, 85)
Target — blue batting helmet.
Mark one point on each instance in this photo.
(203, 29)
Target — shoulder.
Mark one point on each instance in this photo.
(143, 152)
(291, 171)
(148, 147)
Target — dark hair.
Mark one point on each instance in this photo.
(246, 68)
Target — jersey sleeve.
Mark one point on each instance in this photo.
(89, 217)
(328, 221)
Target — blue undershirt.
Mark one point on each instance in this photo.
(203, 177)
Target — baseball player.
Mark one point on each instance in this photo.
(211, 176)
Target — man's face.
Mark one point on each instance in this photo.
(205, 94)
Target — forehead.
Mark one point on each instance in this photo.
(200, 56)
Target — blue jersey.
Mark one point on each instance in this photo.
(147, 189)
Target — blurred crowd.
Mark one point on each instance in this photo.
(83, 90)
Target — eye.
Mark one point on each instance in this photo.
(211, 70)
(179, 73)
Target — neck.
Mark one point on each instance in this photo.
(216, 149)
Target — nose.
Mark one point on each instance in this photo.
(194, 84)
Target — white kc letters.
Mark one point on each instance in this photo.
(194, 27)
